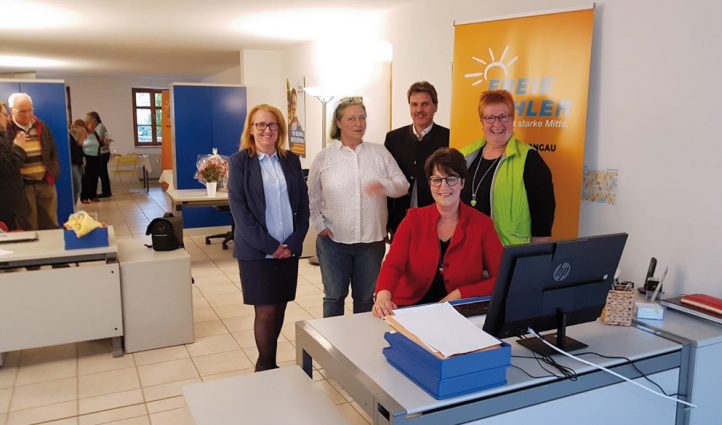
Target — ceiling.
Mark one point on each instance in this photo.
(164, 38)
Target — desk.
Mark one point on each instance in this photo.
(181, 198)
(146, 168)
(59, 305)
(137, 161)
(349, 350)
(277, 396)
(704, 374)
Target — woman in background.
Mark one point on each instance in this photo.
(13, 202)
(269, 203)
(91, 171)
(441, 252)
(93, 119)
(508, 179)
(78, 134)
(349, 183)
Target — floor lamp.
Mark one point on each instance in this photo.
(324, 99)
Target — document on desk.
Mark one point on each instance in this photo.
(443, 329)
(18, 237)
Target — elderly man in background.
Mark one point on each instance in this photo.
(41, 167)
(410, 146)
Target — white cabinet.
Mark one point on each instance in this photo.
(157, 298)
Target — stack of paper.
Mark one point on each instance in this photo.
(440, 329)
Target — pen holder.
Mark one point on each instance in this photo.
(619, 308)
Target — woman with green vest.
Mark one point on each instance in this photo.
(508, 180)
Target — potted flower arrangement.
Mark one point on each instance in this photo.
(212, 169)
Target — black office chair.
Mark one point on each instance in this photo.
(226, 236)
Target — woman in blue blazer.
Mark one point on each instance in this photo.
(269, 204)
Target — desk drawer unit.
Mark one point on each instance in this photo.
(59, 306)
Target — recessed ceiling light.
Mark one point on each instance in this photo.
(32, 15)
(311, 24)
(11, 61)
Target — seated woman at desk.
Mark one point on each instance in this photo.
(269, 203)
(440, 252)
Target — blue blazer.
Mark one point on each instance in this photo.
(248, 206)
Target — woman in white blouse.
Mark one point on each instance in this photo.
(348, 186)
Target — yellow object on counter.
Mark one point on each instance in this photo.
(81, 223)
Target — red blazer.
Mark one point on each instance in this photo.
(412, 261)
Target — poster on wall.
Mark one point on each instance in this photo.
(543, 61)
(296, 116)
(600, 186)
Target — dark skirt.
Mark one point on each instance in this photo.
(268, 281)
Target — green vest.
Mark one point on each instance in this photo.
(509, 202)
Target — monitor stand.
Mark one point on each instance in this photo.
(558, 339)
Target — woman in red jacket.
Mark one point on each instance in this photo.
(441, 252)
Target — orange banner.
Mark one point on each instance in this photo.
(166, 152)
(543, 61)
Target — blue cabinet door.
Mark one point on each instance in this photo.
(229, 116)
(193, 131)
(205, 117)
(50, 106)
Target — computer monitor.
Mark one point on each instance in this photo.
(552, 285)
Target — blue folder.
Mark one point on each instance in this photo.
(452, 376)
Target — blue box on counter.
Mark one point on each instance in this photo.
(452, 376)
(96, 239)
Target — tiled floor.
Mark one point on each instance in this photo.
(82, 384)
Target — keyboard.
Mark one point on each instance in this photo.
(474, 308)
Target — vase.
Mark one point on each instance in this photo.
(211, 188)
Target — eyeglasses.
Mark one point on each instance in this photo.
(450, 180)
(23, 111)
(354, 118)
(491, 119)
(260, 126)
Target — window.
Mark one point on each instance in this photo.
(148, 116)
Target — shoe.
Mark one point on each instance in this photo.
(84, 201)
(103, 195)
(95, 200)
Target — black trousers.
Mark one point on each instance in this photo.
(103, 173)
(90, 177)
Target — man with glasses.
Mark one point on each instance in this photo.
(41, 167)
(508, 180)
(411, 145)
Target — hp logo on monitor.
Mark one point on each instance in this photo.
(562, 272)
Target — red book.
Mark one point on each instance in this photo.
(704, 302)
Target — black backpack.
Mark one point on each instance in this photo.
(166, 232)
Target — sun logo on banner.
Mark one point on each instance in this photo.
(493, 63)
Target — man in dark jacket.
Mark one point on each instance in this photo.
(40, 169)
(411, 145)
(12, 155)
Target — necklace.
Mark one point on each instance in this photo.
(475, 186)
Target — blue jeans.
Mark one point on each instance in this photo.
(77, 171)
(340, 263)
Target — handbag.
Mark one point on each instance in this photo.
(166, 232)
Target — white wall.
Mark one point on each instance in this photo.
(112, 99)
(262, 74)
(229, 76)
(654, 101)
(311, 60)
